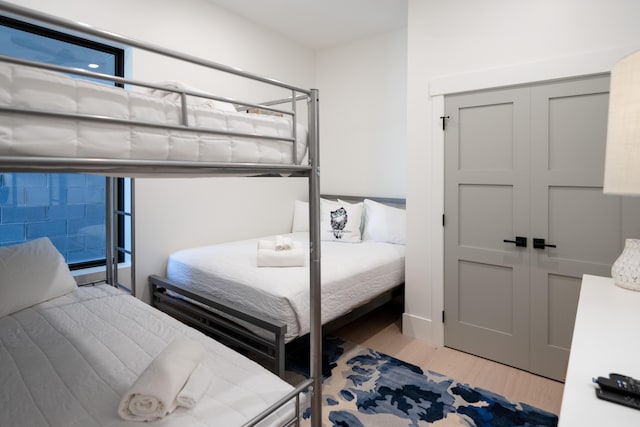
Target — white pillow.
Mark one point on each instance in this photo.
(300, 217)
(340, 221)
(31, 273)
(192, 100)
(384, 223)
(218, 105)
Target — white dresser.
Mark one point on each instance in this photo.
(606, 339)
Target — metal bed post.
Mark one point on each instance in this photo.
(294, 128)
(132, 215)
(108, 220)
(132, 247)
(315, 291)
(115, 230)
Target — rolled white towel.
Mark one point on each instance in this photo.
(153, 395)
(269, 257)
(196, 386)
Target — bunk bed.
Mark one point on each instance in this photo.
(225, 291)
(57, 131)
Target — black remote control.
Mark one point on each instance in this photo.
(621, 399)
(620, 384)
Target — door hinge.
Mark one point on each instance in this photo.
(443, 220)
(444, 118)
(442, 316)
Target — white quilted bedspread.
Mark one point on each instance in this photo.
(67, 362)
(25, 135)
(352, 274)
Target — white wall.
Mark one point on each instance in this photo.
(363, 116)
(466, 45)
(177, 213)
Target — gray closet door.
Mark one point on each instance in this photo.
(569, 210)
(546, 142)
(487, 202)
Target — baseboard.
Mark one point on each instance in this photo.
(422, 329)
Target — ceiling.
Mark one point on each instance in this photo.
(319, 24)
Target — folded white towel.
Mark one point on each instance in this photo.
(196, 386)
(283, 243)
(268, 256)
(153, 395)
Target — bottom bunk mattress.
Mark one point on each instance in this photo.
(351, 274)
(68, 361)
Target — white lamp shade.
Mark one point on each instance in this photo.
(622, 164)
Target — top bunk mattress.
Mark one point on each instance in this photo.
(122, 136)
(351, 274)
(67, 362)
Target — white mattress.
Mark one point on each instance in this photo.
(67, 362)
(351, 274)
(25, 135)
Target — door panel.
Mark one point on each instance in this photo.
(496, 150)
(563, 304)
(569, 127)
(477, 282)
(485, 212)
(589, 239)
(570, 133)
(487, 167)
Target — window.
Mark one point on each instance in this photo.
(67, 208)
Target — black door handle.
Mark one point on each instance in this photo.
(520, 242)
(540, 244)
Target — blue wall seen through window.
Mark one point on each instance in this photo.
(67, 208)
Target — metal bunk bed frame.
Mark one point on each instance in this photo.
(120, 167)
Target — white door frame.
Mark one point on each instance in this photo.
(553, 69)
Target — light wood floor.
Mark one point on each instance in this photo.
(381, 331)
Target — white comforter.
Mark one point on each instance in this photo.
(25, 135)
(67, 362)
(352, 274)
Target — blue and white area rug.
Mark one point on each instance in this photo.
(365, 388)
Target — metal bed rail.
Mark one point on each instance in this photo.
(138, 168)
(305, 385)
(140, 83)
(220, 320)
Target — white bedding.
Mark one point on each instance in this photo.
(67, 362)
(25, 135)
(351, 274)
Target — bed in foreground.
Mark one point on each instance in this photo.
(69, 361)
